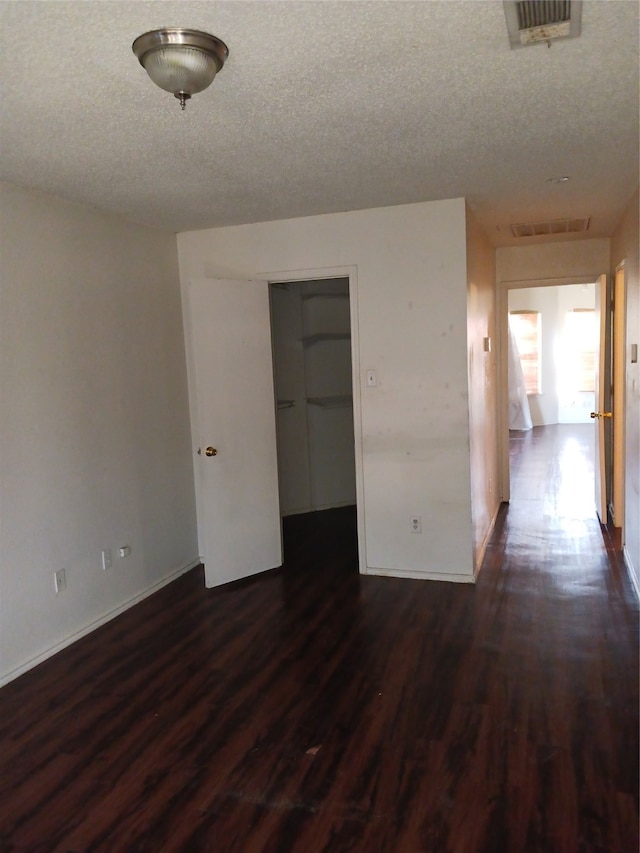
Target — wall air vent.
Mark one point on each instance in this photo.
(533, 21)
(555, 226)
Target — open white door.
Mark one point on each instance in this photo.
(600, 415)
(618, 403)
(239, 510)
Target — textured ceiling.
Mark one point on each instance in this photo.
(322, 107)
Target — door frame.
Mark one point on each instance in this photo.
(351, 274)
(502, 312)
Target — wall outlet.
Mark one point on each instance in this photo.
(59, 581)
(124, 551)
(416, 524)
(106, 559)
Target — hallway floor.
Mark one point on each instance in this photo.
(314, 710)
(552, 477)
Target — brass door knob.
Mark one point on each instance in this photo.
(210, 451)
(601, 414)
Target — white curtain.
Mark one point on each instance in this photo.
(519, 411)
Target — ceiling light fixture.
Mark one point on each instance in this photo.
(180, 61)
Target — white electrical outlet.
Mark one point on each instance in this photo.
(106, 559)
(416, 524)
(59, 581)
(124, 551)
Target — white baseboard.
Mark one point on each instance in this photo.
(631, 573)
(5, 678)
(420, 576)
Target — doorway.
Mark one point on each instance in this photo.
(560, 363)
(553, 338)
(313, 378)
(554, 333)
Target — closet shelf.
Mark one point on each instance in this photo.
(325, 336)
(286, 404)
(331, 402)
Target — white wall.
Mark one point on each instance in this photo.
(96, 450)
(553, 405)
(625, 247)
(412, 322)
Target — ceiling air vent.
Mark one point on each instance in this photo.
(556, 226)
(532, 21)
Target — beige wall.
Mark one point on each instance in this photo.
(575, 259)
(412, 435)
(483, 426)
(96, 451)
(624, 247)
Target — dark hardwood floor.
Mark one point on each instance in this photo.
(312, 709)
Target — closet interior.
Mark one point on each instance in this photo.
(311, 330)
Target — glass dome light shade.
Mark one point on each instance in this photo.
(180, 69)
(183, 62)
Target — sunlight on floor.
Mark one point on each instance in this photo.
(575, 495)
(552, 514)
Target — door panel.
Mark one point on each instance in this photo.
(619, 342)
(600, 413)
(240, 509)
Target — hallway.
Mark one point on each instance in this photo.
(315, 710)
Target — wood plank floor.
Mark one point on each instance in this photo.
(313, 710)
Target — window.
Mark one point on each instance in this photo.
(526, 326)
